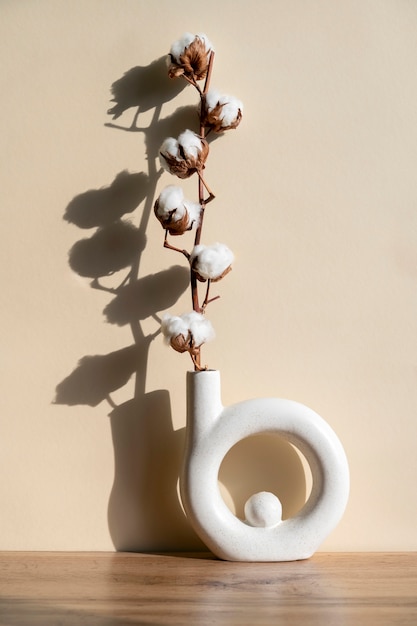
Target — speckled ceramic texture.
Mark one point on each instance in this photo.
(212, 430)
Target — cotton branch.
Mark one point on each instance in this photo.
(192, 58)
(168, 245)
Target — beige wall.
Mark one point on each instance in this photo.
(316, 194)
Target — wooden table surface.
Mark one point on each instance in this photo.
(115, 589)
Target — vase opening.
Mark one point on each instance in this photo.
(265, 462)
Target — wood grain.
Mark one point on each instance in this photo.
(123, 588)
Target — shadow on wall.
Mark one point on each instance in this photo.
(144, 512)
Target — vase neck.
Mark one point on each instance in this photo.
(203, 399)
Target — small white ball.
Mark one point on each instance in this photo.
(263, 509)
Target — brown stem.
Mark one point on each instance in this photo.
(168, 245)
(206, 299)
(194, 291)
(208, 75)
(211, 194)
(207, 294)
(212, 299)
(201, 187)
(192, 82)
(196, 360)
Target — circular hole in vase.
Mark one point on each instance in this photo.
(265, 462)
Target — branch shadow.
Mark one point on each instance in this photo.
(145, 87)
(97, 376)
(144, 512)
(146, 296)
(102, 207)
(110, 249)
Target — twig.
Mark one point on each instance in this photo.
(208, 75)
(193, 82)
(211, 194)
(196, 360)
(168, 245)
(206, 299)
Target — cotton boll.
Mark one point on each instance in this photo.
(171, 197)
(230, 110)
(172, 326)
(190, 57)
(185, 159)
(187, 332)
(194, 212)
(191, 143)
(169, 147)
(175, 213)
(221, 112)
(212, 98)
(170, 203)
(180, 45)
(211, 262)
(207, 42)
(200, 328)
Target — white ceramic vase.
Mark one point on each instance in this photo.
(212, 430)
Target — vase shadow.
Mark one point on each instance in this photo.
(144, 511)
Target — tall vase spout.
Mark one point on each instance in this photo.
(204, 404)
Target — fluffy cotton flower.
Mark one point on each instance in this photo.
(185, 155)
(186, 333)
(221, 112)
(211, 262)
(189, 56)
(175, 213)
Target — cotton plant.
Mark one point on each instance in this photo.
(184, 156)
(221, 112)
(191, 59)
(211, 262)
(176, 214)
(187, 332)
